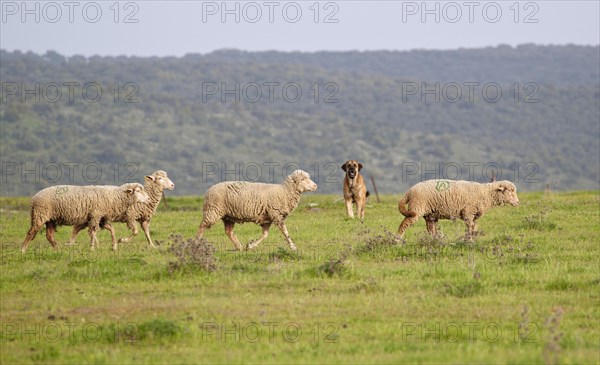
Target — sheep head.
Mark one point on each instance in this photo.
(301, 181)
(505, 193)
(161, 180)
(136, 192)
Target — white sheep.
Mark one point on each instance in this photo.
(264, 204)
(449, 199)
(140, 212)
(91, 206)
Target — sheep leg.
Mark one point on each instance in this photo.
(265, 233)
(229, 231)
(470, 225)
(93, 226)
(431, 226)
(284, 230)
(134, 231)
(203, 227)
(50, 229)
(349, 208)
(92, 233)
(475, 218)
(406, 223)
(30, 236)
(109, 227)
(74, 232)
(146, 228)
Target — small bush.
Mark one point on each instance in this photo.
(380, 242)
(114, 333)
(245, 268)
(283, 255)
(335, 267)
(552, 347)
(45, 355)
(368, 286)
(193, 252)
(539, 222)
(464, 290)
(507, 249)
(561, 284)
(158, 328)
(432, 248)
(526, 258)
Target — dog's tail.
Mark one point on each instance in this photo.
(402, 208)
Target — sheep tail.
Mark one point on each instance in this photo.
(402, 208)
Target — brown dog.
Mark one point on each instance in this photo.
(355, 190)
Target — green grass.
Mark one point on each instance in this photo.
(526, 291)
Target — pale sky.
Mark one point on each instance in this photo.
(175, 28)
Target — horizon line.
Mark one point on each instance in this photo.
(501, 45)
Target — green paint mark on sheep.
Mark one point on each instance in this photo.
(61, 190)
(442, 185)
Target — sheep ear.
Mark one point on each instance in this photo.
(501, 188)
(129, 191)
(344, 166)
(359, 166)
(150, 177)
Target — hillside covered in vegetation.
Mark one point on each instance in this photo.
(530, 113)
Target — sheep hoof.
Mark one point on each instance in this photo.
(123, 240)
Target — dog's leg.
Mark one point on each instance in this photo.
(360, 207)
(349, 208)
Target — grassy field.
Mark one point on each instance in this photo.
(527, 291)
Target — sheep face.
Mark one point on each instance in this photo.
(160, 178)
(137, 192)
(506, 193)
(302, 181)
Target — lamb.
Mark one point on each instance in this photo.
(264, 204)
(450, 199)
(91, 206)
(141, 212)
